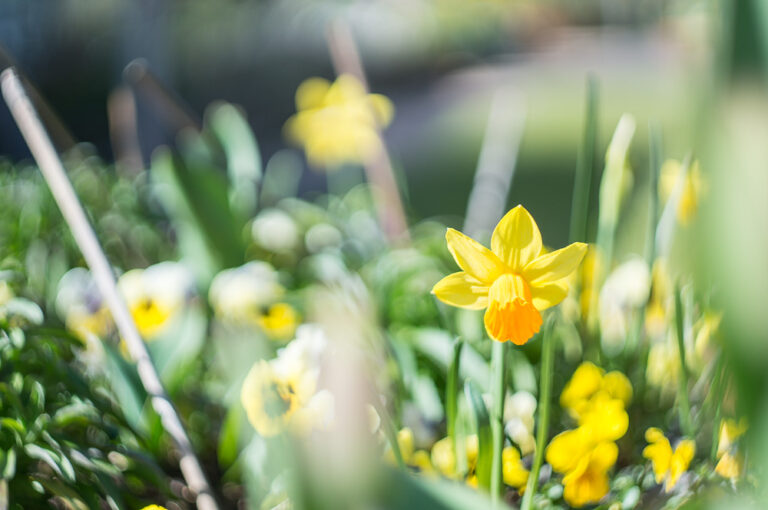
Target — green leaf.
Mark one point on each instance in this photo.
(231, 129)
(485, 441)
(59, 463)
(196, 198)
(229, 435)
(452, 390)
(7, 463)
(437, 345)
(126, 386)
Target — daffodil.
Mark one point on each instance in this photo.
(339, 122)
(513, 281)
(668, 464)
(282, 394)
(693, 187)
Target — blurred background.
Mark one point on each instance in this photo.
(440, 61)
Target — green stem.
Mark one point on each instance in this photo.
(545, 397)
(717, 392)
(452, 392)
(498, 387)
(685, 407)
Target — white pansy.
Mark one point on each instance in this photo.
(519, 410)
(239, 294)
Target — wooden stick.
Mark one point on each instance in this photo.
(123, 131)
(52, 168)
(379, 172)
(495, 166)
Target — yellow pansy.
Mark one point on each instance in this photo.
(668, 464)
(730, 431)
(693, 187)
(418, 459)
(282, 394)
(589, 382)
(513, 472)
(730, 466)
(443, 458)
(604, 418)
(567, 448)
(512, 280)
(588, 481)
(280, 321)
(338, 123)
(155, 295)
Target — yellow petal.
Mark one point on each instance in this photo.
(548, 295)
(383, 109)
(462, 290)
(473, 257)
(566, 449)
(589, 487)
(659, 452)
(680, 461)
(556, 265)
(311, 93)
(516, 239)
(511, 315)
(604, 456)
(618, 386)
(729, 466)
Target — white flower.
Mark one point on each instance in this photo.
(275, 230)
(519, 410)
(239, 294)
(626, 289)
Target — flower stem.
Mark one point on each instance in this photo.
(685, 407)
(545, 396)
(498, 387)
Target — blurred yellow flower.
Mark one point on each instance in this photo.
(668, 464)
(239, 295)
(282, 393)
(280, 321)
(605, 418)
(693, 187)
(731, 463)
(443, 459)
(585, 463)
(154, 507)
(155, 295)
(513, 472)
(512, 281)
(338, 123)
(730, 466)
(589, 382)
(588, 481)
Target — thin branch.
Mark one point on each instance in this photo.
(379, 171)
(52, 168)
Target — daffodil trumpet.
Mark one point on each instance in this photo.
(513, 281)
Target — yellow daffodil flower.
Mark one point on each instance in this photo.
(512, 280)
(338, 123)
(588, 481)
(280, 321)
(513, 472)
(668, 464)
(693, 187)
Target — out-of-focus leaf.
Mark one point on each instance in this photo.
(427, 398)
(281, 177)
(452, 390)
(57, 462)
(7, 464)
(197, 200)
(231, 129)
(437, 345)
(24, 308)
(174, 350)
(126, 386)
(485, 441)
(229, 435)
(405, 492)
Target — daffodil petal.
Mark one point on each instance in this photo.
(548, 295)
(462, 290)
(516, 239)
(556, 265)
(311, 93)
(473, 257)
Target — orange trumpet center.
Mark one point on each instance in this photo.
(511, 315)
